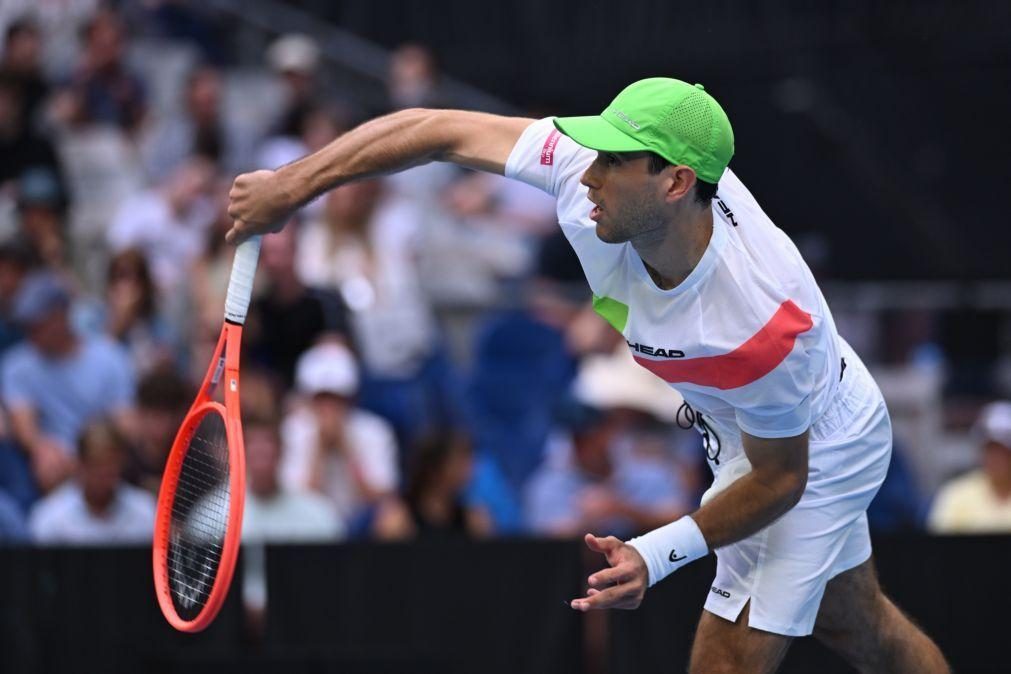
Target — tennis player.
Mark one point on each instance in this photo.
(713, 298)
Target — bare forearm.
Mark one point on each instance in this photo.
(382, 145)
(747, 506)
(385, 145)
(262, 201)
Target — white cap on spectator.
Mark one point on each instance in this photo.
(327, 368)
(994, 423)
(615, 380)
(293, 52)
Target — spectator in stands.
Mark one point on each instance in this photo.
(602, 485)
(617, 473)
(330, 445)
(22, 61)
(102, 90)
(200, 128)
(56, 381)
(364, 248)
(288, 318)
(169, 224)
(276, 513)
(20, 146)
(294, 57)
(980, 502)
(98, 507)
(413, 78)
(132, 315)
(41, 209)
(434, 503)
(163, 397)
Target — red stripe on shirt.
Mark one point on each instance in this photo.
(752, 360)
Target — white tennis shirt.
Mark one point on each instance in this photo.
(747, 338)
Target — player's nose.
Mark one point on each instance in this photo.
(590, 179)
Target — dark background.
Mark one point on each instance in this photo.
(494, 607)
(880, 126)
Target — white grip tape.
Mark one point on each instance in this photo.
(240, 285)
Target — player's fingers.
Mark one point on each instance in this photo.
(608, 577)
(235, 235)
(601, 545)
(619, 596)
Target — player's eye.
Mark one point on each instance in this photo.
(610, 159)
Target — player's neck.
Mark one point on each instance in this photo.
(669, 259)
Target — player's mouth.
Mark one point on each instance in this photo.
(595, 213)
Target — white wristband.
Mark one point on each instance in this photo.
(667, 549)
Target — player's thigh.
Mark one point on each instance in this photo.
(722, 646)
(851, 610)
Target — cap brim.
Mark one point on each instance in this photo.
(596, 133)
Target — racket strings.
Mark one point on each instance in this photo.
(200, 513)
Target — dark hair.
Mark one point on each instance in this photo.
(133, 262)
(704, 192)
(431, 454)
(164, 390)
(99, 433)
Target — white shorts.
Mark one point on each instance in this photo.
(784, 568)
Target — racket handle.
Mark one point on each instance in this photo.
(240, 285)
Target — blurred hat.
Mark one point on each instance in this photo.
(40, 294)
(293, 52)
(38, 186)
(994, 423)
(615, 381)
(327, 368)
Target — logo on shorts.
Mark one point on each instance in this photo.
(722, 593)
(548, 150)
(674, 558)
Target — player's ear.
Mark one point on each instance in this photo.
(680, 183)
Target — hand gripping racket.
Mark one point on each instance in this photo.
(199, 518)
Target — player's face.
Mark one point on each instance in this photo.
(628, 200)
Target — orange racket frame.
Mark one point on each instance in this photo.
(223, 370)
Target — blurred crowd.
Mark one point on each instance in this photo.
(420, 358)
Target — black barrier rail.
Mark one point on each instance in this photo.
(482, 607)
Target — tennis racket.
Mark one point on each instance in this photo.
(199, 518)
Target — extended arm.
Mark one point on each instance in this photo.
(774, 485)
(261, 201)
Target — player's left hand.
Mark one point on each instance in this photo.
(621, 586)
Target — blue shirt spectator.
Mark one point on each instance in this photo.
(57, 381)
(599, 482)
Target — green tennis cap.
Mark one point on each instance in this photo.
(680, 122)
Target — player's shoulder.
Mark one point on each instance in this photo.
(545, 157)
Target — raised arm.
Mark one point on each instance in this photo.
(262, 201)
